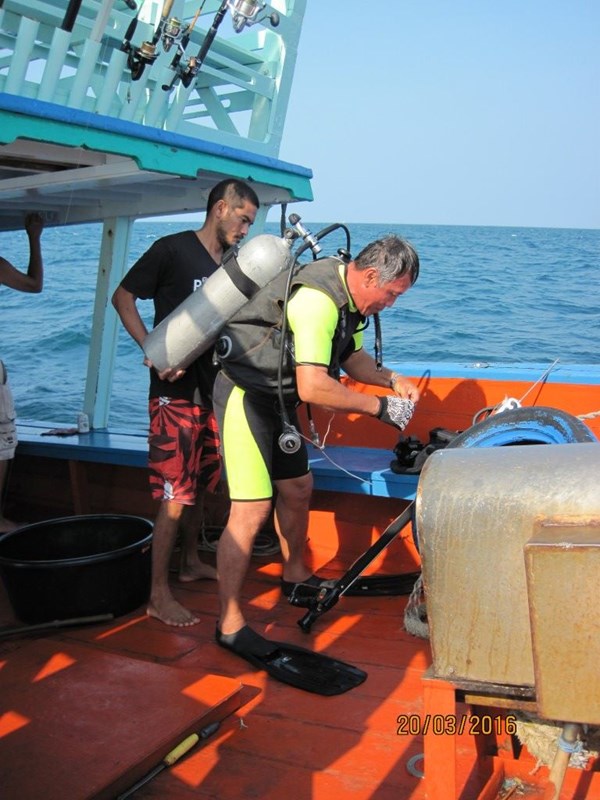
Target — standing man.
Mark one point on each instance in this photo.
(183, 439)
(32, 282)
(329, 301)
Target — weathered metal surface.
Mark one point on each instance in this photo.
(476, 509)
(562, 564)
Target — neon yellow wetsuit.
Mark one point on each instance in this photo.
(325, 330)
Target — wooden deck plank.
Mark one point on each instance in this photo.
(93, 723)
(280, 741)
(229, 767)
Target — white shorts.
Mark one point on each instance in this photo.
(8, 430)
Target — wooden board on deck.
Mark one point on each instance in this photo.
(80, 723)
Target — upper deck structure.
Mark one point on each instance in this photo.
(107, 111)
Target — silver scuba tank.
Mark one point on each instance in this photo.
(191, 328)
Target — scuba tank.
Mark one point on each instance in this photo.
(191, 328)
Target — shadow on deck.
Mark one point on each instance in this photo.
(88, 711)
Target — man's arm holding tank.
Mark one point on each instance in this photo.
(125, 303)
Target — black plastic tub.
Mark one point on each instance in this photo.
(77, 567)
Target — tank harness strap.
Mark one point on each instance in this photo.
(239, 278)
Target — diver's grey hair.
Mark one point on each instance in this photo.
(392, 257)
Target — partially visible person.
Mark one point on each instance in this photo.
(328, 304)
(31, 282)
(184, 458)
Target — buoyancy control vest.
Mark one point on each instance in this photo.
(249, 346)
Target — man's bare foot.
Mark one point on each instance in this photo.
(7, 525)
(172, 613)
(197, 572)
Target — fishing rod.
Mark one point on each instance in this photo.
(139, 57)
(126, 43)
(102, 16)
(188, 74)
(71, 15)
(181, 48)
(244, 14)
(74, 8)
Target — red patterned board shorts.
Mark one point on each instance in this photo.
(184, 450)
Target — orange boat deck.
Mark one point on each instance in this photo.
(88, 711)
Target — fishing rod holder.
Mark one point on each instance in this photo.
(244, 13)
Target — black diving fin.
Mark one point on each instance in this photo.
(296, 666)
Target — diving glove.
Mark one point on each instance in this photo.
(395, 411)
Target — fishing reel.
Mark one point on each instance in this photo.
(171, 33)
(188, 73)
(244, 13)
(138, 58)
(167, 32)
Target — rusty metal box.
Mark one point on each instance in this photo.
(476, 508)
(562, 564)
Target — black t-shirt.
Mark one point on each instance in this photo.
(168, 272)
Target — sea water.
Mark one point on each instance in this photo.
(484, 294)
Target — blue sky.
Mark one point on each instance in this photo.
(468, 112)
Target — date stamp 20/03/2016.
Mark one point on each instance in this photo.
(456, 724)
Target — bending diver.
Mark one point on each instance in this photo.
(261, 363)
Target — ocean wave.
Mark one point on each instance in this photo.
(484, 294)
